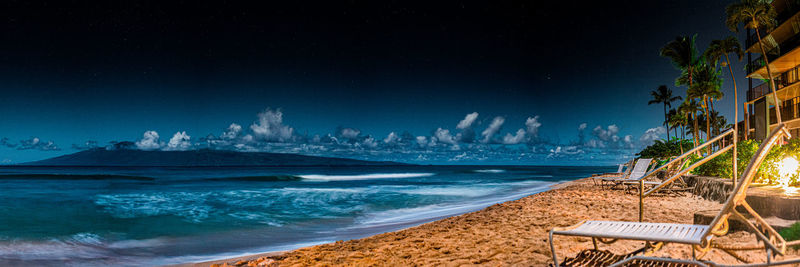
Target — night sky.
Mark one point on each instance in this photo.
(337, 78)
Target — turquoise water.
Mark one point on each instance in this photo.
(153, 216)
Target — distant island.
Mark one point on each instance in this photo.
(196, 158)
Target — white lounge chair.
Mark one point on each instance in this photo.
(627, 166)
(698, 236)
(638, 171)
(620, 169)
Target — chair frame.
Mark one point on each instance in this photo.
(770, 240)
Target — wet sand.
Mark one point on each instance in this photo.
(511, 233)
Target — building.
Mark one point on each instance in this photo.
(783, 51)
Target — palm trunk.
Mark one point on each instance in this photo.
(683, 132)
(675, 132)
(769, 74)
(735, 121)
(696, 132)
(666, 123)
(708, 123)
(681, 140)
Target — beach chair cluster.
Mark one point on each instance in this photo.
(701, 238)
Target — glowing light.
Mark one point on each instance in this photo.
(786, 169)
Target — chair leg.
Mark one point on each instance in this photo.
(553, 250)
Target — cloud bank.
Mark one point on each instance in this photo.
(475, 139)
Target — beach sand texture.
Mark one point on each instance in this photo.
(513, 233)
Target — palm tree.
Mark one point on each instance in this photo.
(705, 87)
(683, 53)
(755, 14)
(664, 95)
(677, 120)
(715, 51)
(690, 108)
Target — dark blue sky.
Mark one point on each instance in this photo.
(71, 74)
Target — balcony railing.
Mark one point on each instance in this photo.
(758, 91)
(786, 78)
(782, 17)
(774, 53)
(790, 110)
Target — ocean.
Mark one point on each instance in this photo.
(159, 215)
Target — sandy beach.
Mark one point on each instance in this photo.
(511, 233)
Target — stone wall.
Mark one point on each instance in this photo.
(766, 200)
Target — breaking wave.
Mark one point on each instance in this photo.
(321, 177)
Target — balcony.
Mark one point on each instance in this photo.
(774, 53)
(787, 78)
(788, 10)
(758, 91)
(789, 111)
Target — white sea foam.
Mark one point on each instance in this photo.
(432, 212)
(322, 177)
(464, 191)
(78, 246)
(189, 205)
(491, 171)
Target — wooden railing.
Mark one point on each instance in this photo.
(680, 173)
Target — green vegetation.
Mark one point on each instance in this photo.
(756, 15)
(663, 95)
(662, 150)
(768, 173)
(701, 75)
(792, 233)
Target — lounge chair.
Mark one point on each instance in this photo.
(671, 168)
(620, 168)
(620, 173)
(700, 237)
(638, 171)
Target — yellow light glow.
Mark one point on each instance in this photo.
(786, 169)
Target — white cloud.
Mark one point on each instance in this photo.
(350, 133)
(370, 142)
(651, 135)
(37, 144)
(149, 141)
(422, 141)
(566, 151)
(233, 131)
(467, 121)
(459, 157)
(180, 141)
(493, 128)
(391, 138)
(86, 145)
(582, 126)
(444, 136)
(628, 142)
(519, 137)
(606, 134)
(532, 125)
(270, 128)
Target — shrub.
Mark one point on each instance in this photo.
(792, 233)
(721, 166)
(662, 150)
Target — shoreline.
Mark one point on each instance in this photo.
(248, 257)
(512, 233)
